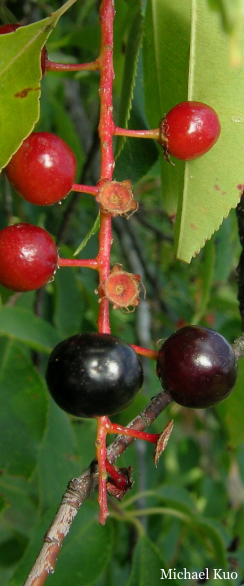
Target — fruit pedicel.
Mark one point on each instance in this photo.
(98, 374)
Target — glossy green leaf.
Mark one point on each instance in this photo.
(20, 76)
(23, 411)
(24, 326)
(165, 55)
(212, 183)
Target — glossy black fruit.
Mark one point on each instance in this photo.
(93, 374)
(197, 366)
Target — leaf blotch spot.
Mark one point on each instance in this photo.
(25, 92)
(240, 187)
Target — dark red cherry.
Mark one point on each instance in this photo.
(189, 130)
(28, 257)
(43, 169)
(197, 366)
(8, 28)
(93, 374)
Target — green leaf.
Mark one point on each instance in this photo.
(205, 279)
(67, 316)
(57, 462)
(88, 551)
(176, 497)
(66, 129)
(91, 233)
(22, 513)
(165, 55)
(147, 564)
(181, 507)
(138, 155)
(231, 12)
(225, 246)
(23, 325)
(130, 68)
(212, 183)
(3, 503)
(20, 75)
(23, 411)
(231, 411)
(208, 532)
(84, 555)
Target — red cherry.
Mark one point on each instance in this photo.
(10, 28)
(43, 170)
(189, 130)
(28, 257)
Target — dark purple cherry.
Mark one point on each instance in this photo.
(93, 374)
(197, 366)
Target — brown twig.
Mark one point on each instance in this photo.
(238, 347)
(80, 488)
(240, 267)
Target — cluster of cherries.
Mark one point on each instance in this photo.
(94, 374)
(42, 171)
(98, 374)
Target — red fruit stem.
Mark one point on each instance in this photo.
(151, 133)
(90, 263)
(103, 424)
(149, 437)
(85, 188)
(105, 129)
(153, 354)
(120, 480)
(106, 123)
(52, 66)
